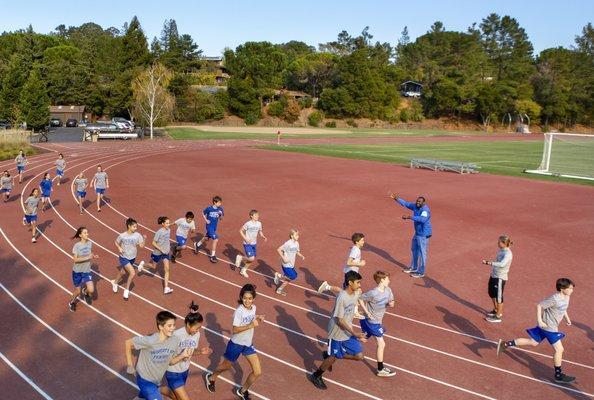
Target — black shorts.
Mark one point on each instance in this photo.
(496, 286)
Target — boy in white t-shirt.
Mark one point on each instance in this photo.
(288, 252)
(249, 232)
(184, 227)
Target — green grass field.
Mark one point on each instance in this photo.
(501, 157)
(195, 134)
(9, 151)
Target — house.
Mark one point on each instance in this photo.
(411, 89)
(216, 65)
(67, 112)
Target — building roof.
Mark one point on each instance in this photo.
(58, 109)
(291, 93)
(211, 58)
(412, 82)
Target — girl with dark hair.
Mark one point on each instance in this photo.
(46, 190)
(188, 335)
(101, 183)
(81, 270)
(157, 352)
(81, 189)
(126, 243)
(245, 320)
(30, 218)
(6, 183)
(60, 167)
(21, 162)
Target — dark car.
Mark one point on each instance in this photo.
(55, 121)
(71, 123)
(5, 125)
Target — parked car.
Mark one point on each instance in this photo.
(83, 122)
(71, 123)
(55, 121)
(5, 125)
(412, 94)
(123, 124)
(102, 127)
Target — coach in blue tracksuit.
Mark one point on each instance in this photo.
(422, 220)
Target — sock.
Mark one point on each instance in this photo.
(557, 371)
(510, 343)
(212, 253)
(380, 365)
(318, 373)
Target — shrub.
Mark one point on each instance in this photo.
(251, 118)
(315, 118)
(330, 124)
(292, 111)
(305, 102)
(404, 115)
(351, 122)
(276, 109)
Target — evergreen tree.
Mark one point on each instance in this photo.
(35, 101)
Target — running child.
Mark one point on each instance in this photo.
(81, 184)
(549, 314)
(157, 352)
(60, 167)
(212, 215)
(188, 336)
(126, 243)
(288, 252)
(161, 251)
(245, 320)
(374, 304)
(31, 205)
(82, 278)
(6, 183)
(498, 277)
(101, 183)
(21, 163)
(249, 232)
(46, 190)
(343, 342)
(184, 227)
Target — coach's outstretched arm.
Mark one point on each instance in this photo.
(410, 206)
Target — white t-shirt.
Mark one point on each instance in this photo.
(241, 317)
(290, 248)
(355, 254)
(184, 227)
(251, 229)
(186, 341)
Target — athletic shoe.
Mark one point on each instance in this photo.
(281, 292)
(317, 381)
(114, 286)
(87, 297)
(126, 294)
(409, 271)
(277, 277)
(416, 275)
(385, 372)
(98, 210)
(173, 259)
(24, 221)
(140, 266)
(72, 306)
(491, 313)
(494, 319)
(243, 272)
(562, 378)
(213, 259)
(33, 240)
(500, 346)
(210, 386)
(243, 396)
(196, 247)
(167, 290)
(238, 260)
(324, 287)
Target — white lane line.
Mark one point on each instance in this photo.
(24, 376)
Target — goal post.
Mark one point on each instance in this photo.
(569, 155)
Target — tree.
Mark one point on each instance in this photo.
(152, 100)
(65, 75)
(135, 51)
(35, 101)
(585, 42)
(311, 73)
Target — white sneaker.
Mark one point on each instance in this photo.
(238, 260)
(243, 272)
(277, 277)
(126, 293)
(167, 290)
(114, 286)
(324, 287)
(385, 372)
(33, 240)
(141, 266)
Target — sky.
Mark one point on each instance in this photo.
(215, 25)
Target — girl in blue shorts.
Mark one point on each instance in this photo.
(127, 243)
(6, 183)
(82, 279)
(21, 162)
(162, 247)
(30, 218)
(244, 322)
(46, 190)
(80, 184)
(60, 167)
(189, 336)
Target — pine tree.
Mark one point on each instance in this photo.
(35, 101)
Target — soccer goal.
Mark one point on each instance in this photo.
(567, 154)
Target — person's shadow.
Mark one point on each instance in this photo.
(308, 352)
(589, 331)
(218, 345)
(44, 225)
(430, 283)
(314, 283)
(377, 251)
(231, 252)
(461, 324)
(319, 320)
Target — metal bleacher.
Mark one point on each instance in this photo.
(444, 165)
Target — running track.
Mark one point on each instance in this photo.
(437, 339)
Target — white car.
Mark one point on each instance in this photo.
(123, 124)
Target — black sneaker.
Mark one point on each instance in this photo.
(173, 259)
(491, 313)
(325, 356)
(244, 396)
(72, 306)
(213, 259)
(210, 386)
(317, 381)
(562, 378)
(196, 247)
(87, 297)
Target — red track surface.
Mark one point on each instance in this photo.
(437, 339)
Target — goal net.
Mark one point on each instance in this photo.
(568, 155)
